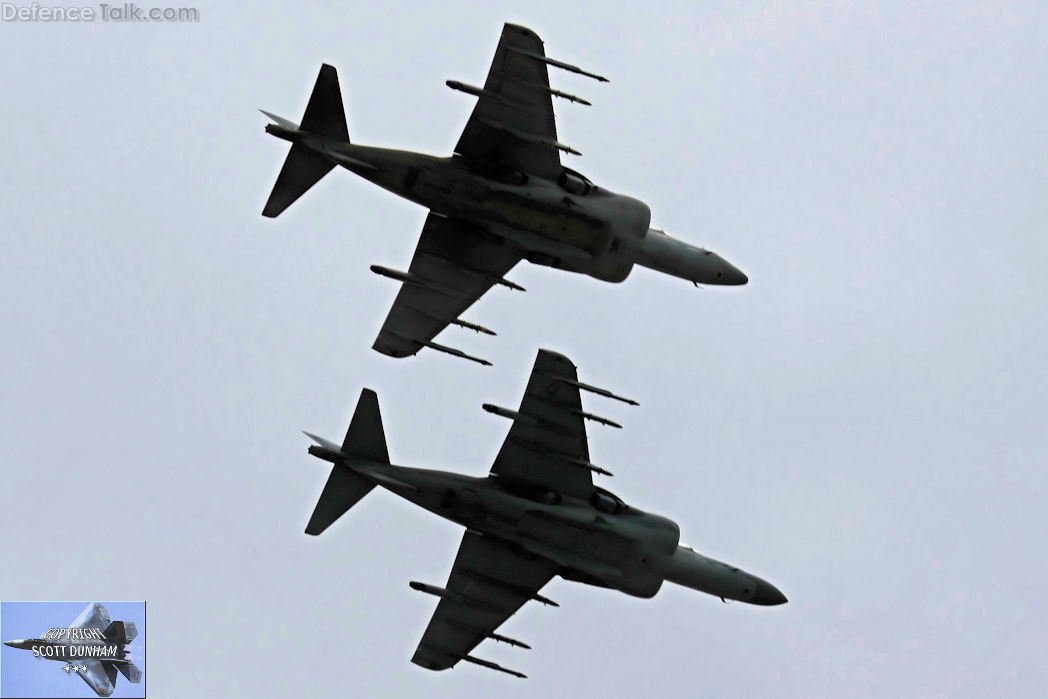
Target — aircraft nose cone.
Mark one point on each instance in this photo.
(722, 272)
(15, 644)
(733, 276)
(767, 594)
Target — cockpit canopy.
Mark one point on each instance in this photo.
(574, 182)
(606, 502)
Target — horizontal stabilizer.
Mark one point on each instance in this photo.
(130, 671)
(281, 121)
(327, 444)
(302, 169)
(344, 489)
(110, 670)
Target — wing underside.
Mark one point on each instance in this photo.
(454, 264)
(512, 126)
(546, 445)
(489, 582)
(94, 616)
(98, 674)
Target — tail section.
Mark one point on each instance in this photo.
(325, 118)
(129, 670)
(365, 439)
(120, 632)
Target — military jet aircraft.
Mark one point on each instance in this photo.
(92, 646)
(502, 197)
(536, 515)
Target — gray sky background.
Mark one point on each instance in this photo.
(862, 425)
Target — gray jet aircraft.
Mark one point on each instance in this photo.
(536, 515)
(502, 197)
(92, 646)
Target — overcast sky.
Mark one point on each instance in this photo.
(862, 424)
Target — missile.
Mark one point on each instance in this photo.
(515, 589)
(444, 593)
(476, 91)
(558, 64)
(508, 640)
(597, 418)
(471, 629)
(551, 454)
(593, 389)
(412, 278)
(481, 92)
(502, 281)
(494, 279)
(568, 96)
(472, 326)
(434, 590)
(493, 666)
(510, 414)
(527, 135)
(454, 352)
(406, 277)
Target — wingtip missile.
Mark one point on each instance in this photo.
(558, 64)
(597, 418)
(509, 641)
(527, 135)
(509, 414)
(412, 278)
(559, 456)
(455, 353)
(595, 389)
(493, 666)
(406, 277)
(569, 97)
(476, 91)
(544, 600)
(473, 326)
(502, 281)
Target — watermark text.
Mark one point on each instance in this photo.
(105, 12)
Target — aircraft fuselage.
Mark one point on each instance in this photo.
(628, 550)
(569, 224)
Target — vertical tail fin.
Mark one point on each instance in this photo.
(121, 632)
(365, 439)
(303, 168)
(325, 115)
